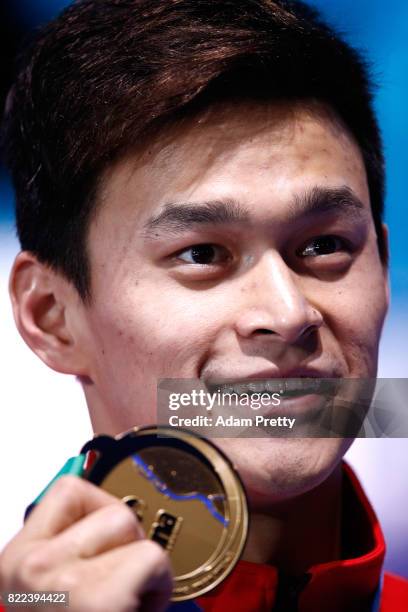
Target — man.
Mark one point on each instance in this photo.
(199, 195)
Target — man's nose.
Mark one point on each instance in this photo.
(273, 302)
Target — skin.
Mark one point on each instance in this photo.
(313, 305)
(154, 313)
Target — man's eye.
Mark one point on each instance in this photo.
(322, 245)
(204, 254)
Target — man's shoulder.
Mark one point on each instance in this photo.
(394, 594)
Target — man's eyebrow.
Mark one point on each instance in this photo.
(178, 216)
(318, 200)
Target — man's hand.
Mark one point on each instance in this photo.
(82, 540)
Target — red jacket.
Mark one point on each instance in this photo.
(348, 585)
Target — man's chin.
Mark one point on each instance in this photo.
(280, 469)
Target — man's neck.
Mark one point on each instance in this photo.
(296, 534)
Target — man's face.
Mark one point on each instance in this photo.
(240, 244)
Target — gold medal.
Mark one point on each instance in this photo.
(187, 496)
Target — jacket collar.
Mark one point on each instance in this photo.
(347, 584)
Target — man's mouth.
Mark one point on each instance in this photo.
(286, 387)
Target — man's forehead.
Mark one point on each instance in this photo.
(225, 125)
(221, 153)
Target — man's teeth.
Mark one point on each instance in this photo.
(285, 387)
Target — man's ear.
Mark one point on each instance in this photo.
(386, 260)
(47, 310)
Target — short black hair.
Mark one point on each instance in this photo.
(106, 73)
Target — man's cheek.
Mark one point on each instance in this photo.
(357, 335)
